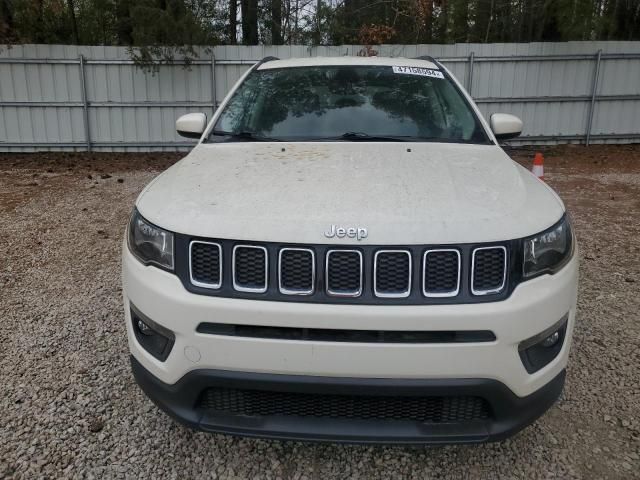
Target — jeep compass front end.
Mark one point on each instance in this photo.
(349, 255)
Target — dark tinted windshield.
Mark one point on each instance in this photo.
(327, 102)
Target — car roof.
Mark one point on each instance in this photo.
(349, 61)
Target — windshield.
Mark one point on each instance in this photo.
(348, 103)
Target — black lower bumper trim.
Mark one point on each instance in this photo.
(509, 413)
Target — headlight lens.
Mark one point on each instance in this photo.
(548, 251)
(151, 244)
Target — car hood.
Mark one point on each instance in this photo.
(402, 193)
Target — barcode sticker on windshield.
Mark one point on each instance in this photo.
(424, 72)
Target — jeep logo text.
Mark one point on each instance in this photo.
(352, 232)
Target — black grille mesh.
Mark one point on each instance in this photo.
(296, 270)
(205, 263)
(262, 403)
(250, 271)
(488, 269)
(393, 272)
(441, 272)
(343, 275)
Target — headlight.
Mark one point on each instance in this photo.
(151, 244)
(548, 251)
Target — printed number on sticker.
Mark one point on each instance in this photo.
(424, 72)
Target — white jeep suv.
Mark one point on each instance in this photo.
(348, 255)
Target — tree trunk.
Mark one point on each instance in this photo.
(295, 24)
(276, 22)
(124, 28)
(233, 22)
(317, 34)
(74, 23)
(7, 32)
(489, 20)
(249, 21)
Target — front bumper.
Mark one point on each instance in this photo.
(492, 370)
(509, 413)
(533, 307)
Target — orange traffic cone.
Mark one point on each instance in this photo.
(538, 166)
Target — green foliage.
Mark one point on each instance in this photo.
(164, 31)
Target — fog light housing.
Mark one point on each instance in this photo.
(541, 349)
(154, 338)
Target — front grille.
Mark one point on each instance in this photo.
(392, 273)
(296, 271)
(441, 273)
(366, 274)
(344, 273)
(250, 268)
(206, 264)
(489, 270)
(261, 403)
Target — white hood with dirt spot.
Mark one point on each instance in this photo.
(402, 193)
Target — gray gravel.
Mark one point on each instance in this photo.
(71, 409)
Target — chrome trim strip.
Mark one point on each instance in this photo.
(213, 286)
(451, 293)
(287, 291)
(404, 294)
(240, 288)
(504, 270)
(355, 293)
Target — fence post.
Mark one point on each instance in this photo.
(85, 105)
(470, 77)
(594, 89)
(214, 101)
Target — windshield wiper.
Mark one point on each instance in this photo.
(244, 135)
(365, 137)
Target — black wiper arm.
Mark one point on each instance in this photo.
(245, 135)
(365, 137)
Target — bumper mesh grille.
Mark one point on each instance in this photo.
(260, 403)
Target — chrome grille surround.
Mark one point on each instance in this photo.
(491, 291)
(403, 294)
(287, 291)
(343, 293)
(451, 293)
(286, 277)
(198, 283)
(241, 288)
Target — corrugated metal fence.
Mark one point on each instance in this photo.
(56, 97)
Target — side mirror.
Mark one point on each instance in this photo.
(505, 125)
(191, 125)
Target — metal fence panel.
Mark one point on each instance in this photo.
(56, 97)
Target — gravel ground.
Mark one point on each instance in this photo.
(70, 407)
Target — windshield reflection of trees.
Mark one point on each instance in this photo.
(275, 96)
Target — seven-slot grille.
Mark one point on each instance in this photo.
(488, 270)
(363, 274)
